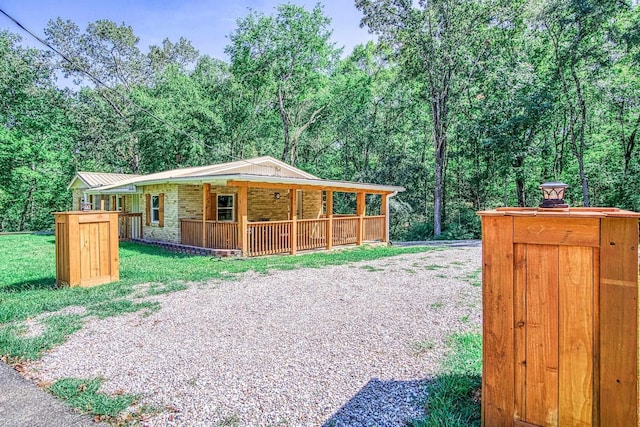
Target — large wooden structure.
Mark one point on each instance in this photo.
(560, 317)
(252, 207)
(86, 248)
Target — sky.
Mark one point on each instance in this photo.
(206, 23)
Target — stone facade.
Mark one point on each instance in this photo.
(312, 206)
(171, 230)
(76, 194)
(262, 205)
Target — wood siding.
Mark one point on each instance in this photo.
(560, 328)
(86, 248)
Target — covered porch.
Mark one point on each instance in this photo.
(299, 231)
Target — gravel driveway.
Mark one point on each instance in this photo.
(350, 345)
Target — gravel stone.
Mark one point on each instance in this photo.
(349, 345)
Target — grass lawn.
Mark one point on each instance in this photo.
(454, 395)
(27, 284)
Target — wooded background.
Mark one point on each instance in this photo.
(469, 104)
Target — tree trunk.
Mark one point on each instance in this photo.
(286, 151)
(518, 165)
(27, 202)
(439, 111)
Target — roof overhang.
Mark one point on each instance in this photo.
(73, 181)
(256, 181)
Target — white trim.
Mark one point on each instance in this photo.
(151, 209)
(233, 207)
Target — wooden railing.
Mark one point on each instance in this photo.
(268, 237)
(274, 237)
(221, 235)
(312, 233)
(129, 226)
(191, 232)
(345, 230)
(373, 227)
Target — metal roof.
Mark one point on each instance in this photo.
(260, 169)
(98, 179)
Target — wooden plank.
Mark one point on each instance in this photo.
(557, 231)
(103, 249)
(576, 336)
(360, 211)
(242, 220)
(520, 328)
(206, 191)
(619, 323)
(114, 255)
(161, 210)
(94, 245)
(147, 209)
(74, 250)
(542, 335)
(293, 215)
(497, 325)
(383, 211)
(85, 252)
(329, 213)
(596, 338)
(86, 218)
(520, 423)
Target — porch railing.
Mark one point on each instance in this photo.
(345, 230)
(129, 226)
(219, 235)
(312, 233)
(274, 237)
(373, 227)
(268, 237)
(191, 232)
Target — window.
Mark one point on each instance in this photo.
(155, 208)
(226, 207)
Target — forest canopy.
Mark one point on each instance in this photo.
(469, 104)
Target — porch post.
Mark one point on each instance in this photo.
(360, 210)
(243, 243)
(329, 232)
(206, 190)
(385, 221)
(293, 216)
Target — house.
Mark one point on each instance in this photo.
(258, 206)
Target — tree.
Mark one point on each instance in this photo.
(574, 28)
(35, 139)
(107, 56)
(438, 44)
(286, 57)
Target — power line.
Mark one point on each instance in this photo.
(99, 82)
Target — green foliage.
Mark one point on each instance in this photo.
(468, 104)
(83, 395)
(454, 395)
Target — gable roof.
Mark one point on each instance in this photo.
(97, 179)
(258, 169)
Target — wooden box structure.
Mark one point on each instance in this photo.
(560, 317)
(86, 248)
